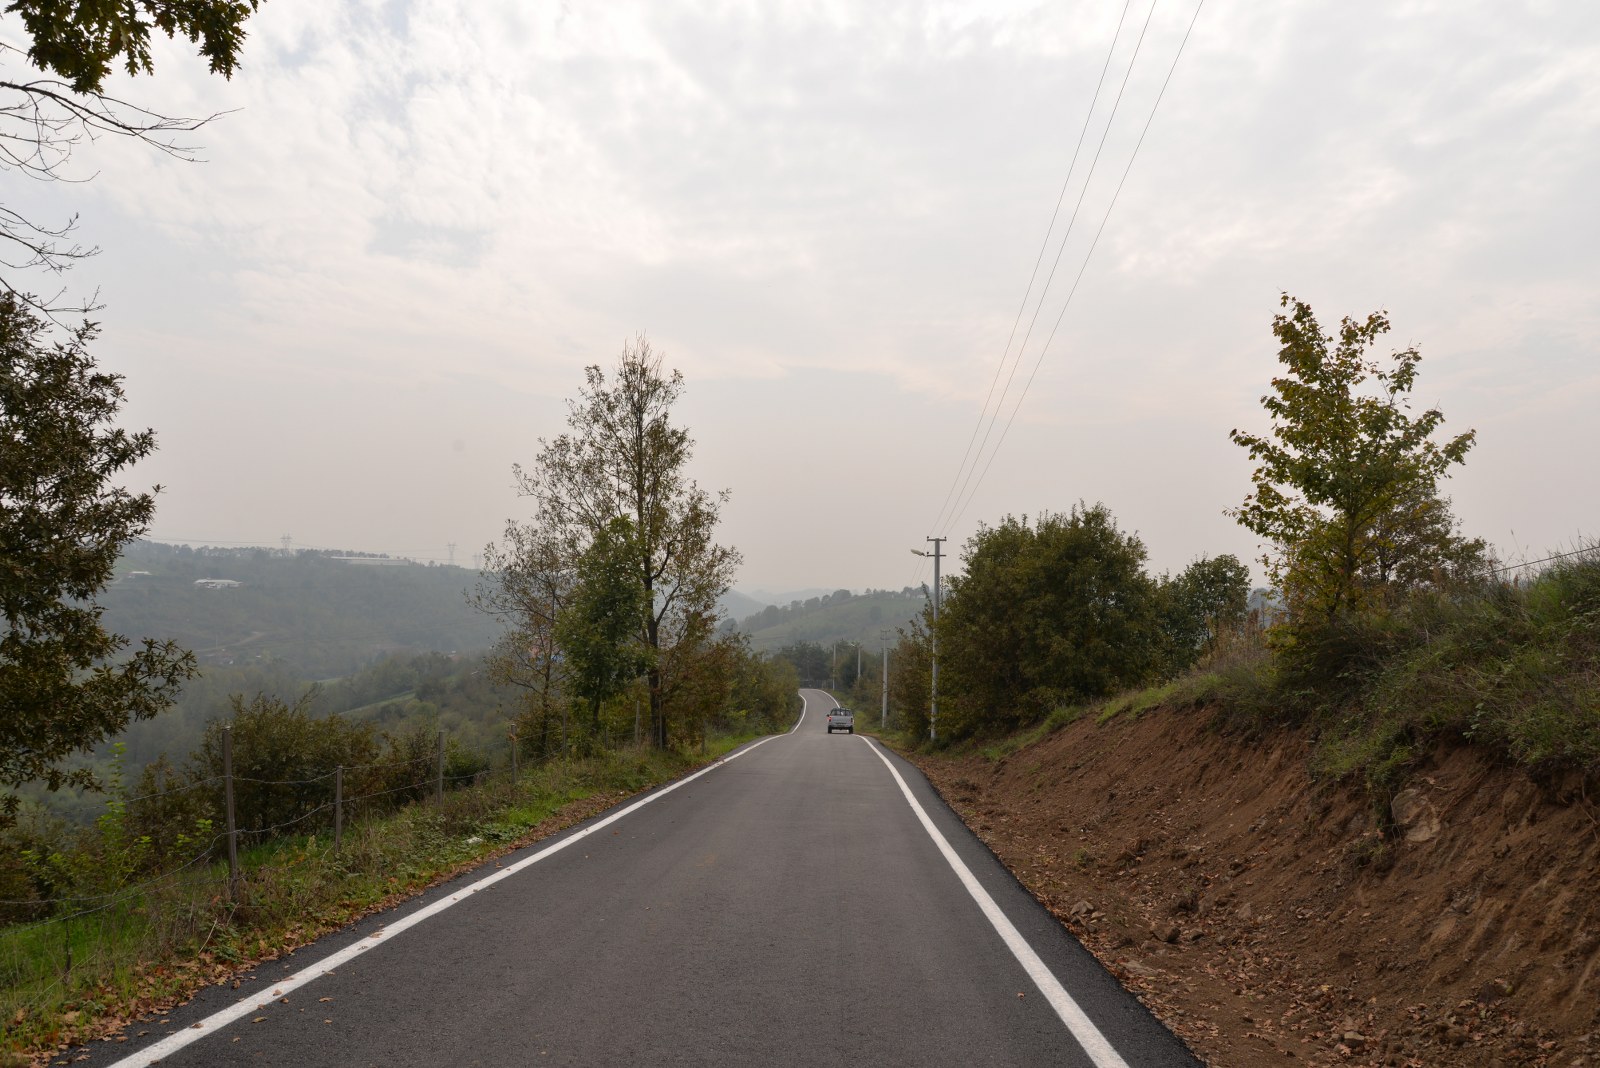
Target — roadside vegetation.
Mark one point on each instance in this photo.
(1387, 632)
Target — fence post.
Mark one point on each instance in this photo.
(514, 774)
(338, 807)
(438, 782)
(233, 827)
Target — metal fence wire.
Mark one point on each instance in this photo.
(64, 946)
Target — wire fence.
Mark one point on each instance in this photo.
(105, 928)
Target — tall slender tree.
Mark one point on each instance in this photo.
(623, 457)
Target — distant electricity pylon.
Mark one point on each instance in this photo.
(452, 547)
(287, 541)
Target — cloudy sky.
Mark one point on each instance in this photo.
(420, 220)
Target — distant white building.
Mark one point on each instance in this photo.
(217, 584)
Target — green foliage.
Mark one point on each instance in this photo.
(623, 457)
(1047, 613)
(599, 631)
(813, 664)
(283, 758)
(1510, 667)
(1208, 598)
(305, 614)
(63, 521)
(837, 616)
(910, 676)
(80, 40)
(1346, 481)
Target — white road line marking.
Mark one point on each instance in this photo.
(174, 1042)
(1094, 1043)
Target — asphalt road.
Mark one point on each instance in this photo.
(788, 906)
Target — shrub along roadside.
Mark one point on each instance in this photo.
(69, 981)
(1513, 668)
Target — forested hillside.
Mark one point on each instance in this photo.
(838, 616)
(320, 614)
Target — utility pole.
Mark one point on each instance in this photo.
(933, 712)
(884, 636)
(833, 672)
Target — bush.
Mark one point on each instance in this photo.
(283, 762)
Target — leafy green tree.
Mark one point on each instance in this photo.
(623, 456)
(1341, 466)
(764, 694)
(1417, 542)
(1060, 609)
(811, 661)
(910, 676)
(58, 102)
(63, 520)
(599, 631)
(283, 759)
(81, 41)
(1207, 597)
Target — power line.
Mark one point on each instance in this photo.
(1043, 247)
(1087, 256)
(1593, 549)
(1084, 192)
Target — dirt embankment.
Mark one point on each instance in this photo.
(1268, 918)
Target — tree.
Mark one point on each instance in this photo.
(623, 457)
(43, 119)
(527, 580)
(598, 633)
(1417, 542)
(1345, 468)
(1060, 609)
(811, 661)
(1207, 596)
(63, 521)
(910, 675)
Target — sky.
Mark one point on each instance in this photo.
(419, 221)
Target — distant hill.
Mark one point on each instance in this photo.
(736, 605)
(839, 616)
(320, 614)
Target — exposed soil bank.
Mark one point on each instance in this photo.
(1268, 918)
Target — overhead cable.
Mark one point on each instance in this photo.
(1016, 362)
(1104, 219)
(1039, 259)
